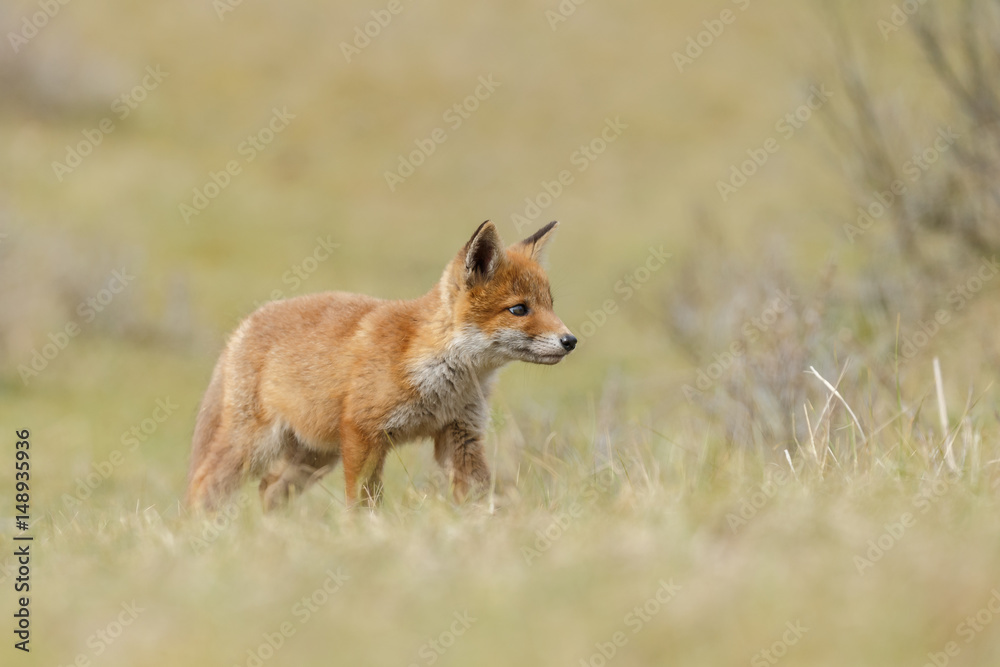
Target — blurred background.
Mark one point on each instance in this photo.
(746, 190)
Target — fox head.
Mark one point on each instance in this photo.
(501, 296)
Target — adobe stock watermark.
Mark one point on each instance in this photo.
(750, 505)
(545, 538)
(914, 169)
(87, 311)
(894, 531)
(34, 23)
(552, 533)
(223, 7)
(454, 117)
(437, 478)
(957, 298)
(899, 16)
(248, 149)
(970, 628)
(101, 640)
(298, 273)
(581, 159)
(303, 610)
(635, 620)
(8, 568)
(786, 127)
(130, 441)
(626, 288)
(779, 649)
(122, 107)
(433, 649)
(370, 30)
(562, 12)
(697, 44)
(218, 523)
(752, 331)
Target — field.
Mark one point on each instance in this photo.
(776, 443)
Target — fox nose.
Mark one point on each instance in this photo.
(568, 342)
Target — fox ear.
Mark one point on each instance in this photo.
(483, 254)
(534, 246)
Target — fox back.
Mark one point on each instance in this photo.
(308, 382)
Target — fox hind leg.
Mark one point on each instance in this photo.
(217, 467)
(219, 472)
(294, 473)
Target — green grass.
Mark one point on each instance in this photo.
(555, 563)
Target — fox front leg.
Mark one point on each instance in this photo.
(458, 448)
(364, 458)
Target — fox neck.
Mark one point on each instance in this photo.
(445, 367)
(446, 345)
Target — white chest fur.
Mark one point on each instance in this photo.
(452, 387)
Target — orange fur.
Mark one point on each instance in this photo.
(308, 382)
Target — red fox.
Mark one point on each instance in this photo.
(311, 381)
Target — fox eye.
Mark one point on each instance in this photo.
(520, 310)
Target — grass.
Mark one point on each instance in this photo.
(553, 572)
(756, 505)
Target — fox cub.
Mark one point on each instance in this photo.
(308, 382)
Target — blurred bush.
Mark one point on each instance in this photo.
(925, 174)
(950, 209)
(56, 77)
